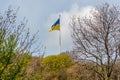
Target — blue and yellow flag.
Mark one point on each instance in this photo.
(55, 26)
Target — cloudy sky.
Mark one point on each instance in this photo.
(41, 14)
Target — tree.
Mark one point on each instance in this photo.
(55, 66)
(16, 46)
(78, 71)
(97, 38)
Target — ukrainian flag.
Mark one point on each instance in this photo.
(55, 26)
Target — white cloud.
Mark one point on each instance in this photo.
(52, 41)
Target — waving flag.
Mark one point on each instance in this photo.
(55, 26)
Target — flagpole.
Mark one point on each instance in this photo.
(60, 40)
(60, 37)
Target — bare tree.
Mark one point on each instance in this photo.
(97, 38)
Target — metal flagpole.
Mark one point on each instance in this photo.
(60, 40)
(60, 37)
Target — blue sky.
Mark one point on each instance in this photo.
(41, 14)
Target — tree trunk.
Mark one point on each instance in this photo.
(108, 78)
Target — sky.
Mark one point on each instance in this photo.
(41, 14)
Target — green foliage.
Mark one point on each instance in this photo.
(57, 62)
(11, 62)
(15, 47)
(54, 66)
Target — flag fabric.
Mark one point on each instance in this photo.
(55, 26)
